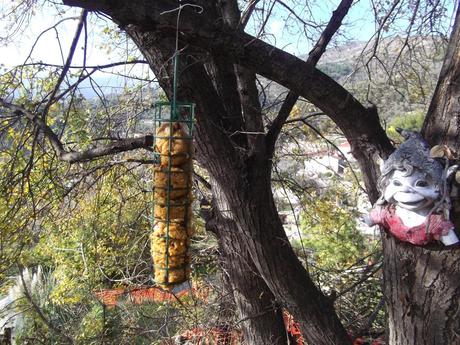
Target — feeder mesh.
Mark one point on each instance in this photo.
(172, 181)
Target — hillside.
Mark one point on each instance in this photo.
(397, 82)
(397, 76)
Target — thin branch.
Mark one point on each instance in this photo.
(98, 67)
(339, 151)
(360, 281)
(202, 180)
(313, 57)
(304, 118)
(64, 71)
(247, 13)
(293, 13)
(123, 145)
(368, 324)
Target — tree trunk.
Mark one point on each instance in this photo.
(422, 292)
(258, 313)
(260, 230)
(442, 124)
(422, 283)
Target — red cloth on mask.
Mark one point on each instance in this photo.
(417, 235)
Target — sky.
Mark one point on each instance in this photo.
(359, 26)
(52, 46)
(47, 48)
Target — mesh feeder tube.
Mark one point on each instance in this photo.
(172, 182)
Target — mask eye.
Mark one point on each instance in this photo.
(421, 183)
(397, 183)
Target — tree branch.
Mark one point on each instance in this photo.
(441, 123)
(313, 57)
(247, 13)
(247, 88)
(119, 146)
(68, 62)
(98, 67)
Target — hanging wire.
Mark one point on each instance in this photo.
(177, 52)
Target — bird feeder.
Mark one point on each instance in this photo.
(172, 197)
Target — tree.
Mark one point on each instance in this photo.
(219, 66)
(420, 283)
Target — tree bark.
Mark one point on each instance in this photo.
(422, 294)
(259, 314)
(422, 283)
(442, 124)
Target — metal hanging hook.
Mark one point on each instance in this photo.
(179, 9)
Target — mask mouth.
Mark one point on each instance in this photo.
(408, 198)
(411, 201)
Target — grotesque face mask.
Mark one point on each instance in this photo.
(413, 190)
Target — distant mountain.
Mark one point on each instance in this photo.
(397, 80)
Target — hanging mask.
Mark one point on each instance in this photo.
(413, 187)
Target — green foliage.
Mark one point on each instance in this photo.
(103, 239)
(28, 188)
(330, 231)
(91, 323)
(343, 260)
(86, 323)
(53, 324)
(336, 70)
(86, 222)
(99, 325)
(410, 121)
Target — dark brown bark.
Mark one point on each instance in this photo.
(422, 287)
(422, 294)
(273, 256)
(442, 124)
(245, 184)
(259, 315)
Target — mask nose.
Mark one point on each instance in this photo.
(406, 189)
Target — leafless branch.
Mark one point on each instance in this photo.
(293, 13)
(98, 67)
(67, 64)
(315, 54)
(247, 13)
